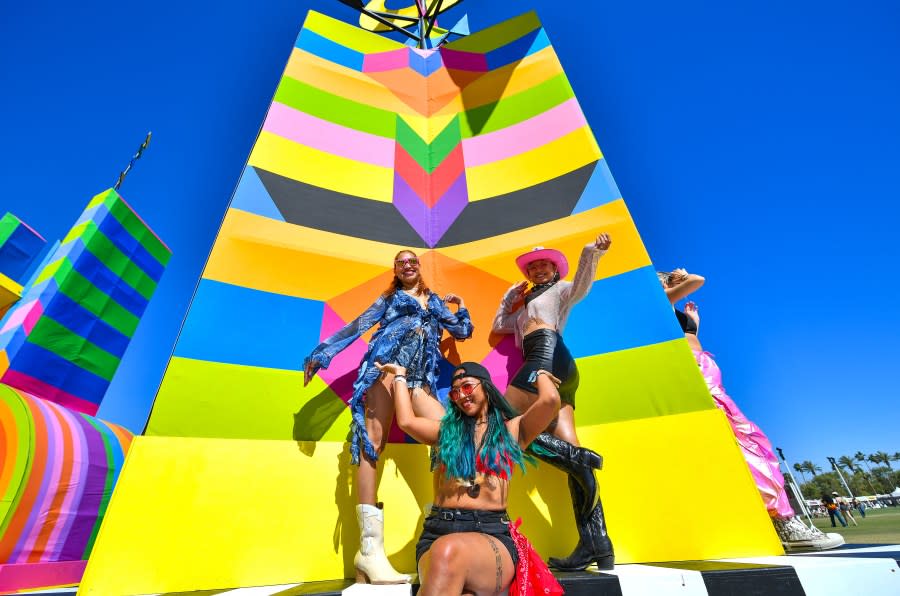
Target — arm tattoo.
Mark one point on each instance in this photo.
(498, 561)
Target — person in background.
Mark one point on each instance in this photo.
(755, 446)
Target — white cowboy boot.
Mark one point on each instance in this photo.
(372, 565)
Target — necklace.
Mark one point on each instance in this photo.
(474, 488)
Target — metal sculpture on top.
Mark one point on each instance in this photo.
(417, 21)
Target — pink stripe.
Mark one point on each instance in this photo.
(140, 219)
(30, 229)
(41, 389)
(457, 60)
(524, 136)
(25, 315)
(66, 485)
(386, 61)
(328, 137)
(40, 575)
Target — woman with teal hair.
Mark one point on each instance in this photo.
(467, 543)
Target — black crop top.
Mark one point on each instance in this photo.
(688, 325)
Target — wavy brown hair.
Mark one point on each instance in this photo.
(396, 284)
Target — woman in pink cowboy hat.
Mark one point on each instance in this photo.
(537, 316)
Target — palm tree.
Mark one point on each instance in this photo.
(885, 459)
(810, 467)
(861, 457)
(846, 462)
(798, 468)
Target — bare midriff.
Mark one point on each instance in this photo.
(451, 494)
(693, 342)
(533, 324)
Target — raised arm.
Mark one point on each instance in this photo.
(458, 324)
(505, 319)
(682, 284)
(542, 411)
(587, 267)
(424, 430)
(328, 349)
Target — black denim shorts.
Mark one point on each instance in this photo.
(443, 521)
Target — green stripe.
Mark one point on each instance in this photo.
(349, 36)
(108, 485)
(8, 225)
(136, 227)
(428, 155)
(78, 288)
(21, 459)
(334, 108)
(70, 346)
(656, 380)
(115, 260)
(517, 108)
(499, 35)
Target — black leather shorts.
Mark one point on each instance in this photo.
(443, 521)
(544, 349)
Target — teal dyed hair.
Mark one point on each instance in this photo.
(456, 440)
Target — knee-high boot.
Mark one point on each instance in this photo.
(372, 565)
(594, 545)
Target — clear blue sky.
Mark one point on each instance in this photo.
(756, 143)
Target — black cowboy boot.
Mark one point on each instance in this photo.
(594, 545)
(579, 464)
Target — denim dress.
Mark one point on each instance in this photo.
(408, 335)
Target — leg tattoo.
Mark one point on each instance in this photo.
(498, 561)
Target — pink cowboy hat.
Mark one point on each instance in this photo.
(539, 252)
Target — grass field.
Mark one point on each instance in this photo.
(880, 526)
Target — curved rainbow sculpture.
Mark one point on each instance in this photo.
(59, 469)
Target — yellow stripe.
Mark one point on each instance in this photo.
(565, 154)
(304, 164)
(569, 235)
(256, 252)
(428, 128)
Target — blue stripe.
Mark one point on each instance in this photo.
(238, 325)
(12, 340)
(626, 311)
(44, 365)
(80, 321)
(533, 41)
(252, 196)
(18, 253)
(89, 266)
(600, 190)
(128, 244)
(312, 42)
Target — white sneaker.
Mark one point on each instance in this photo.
(795, 535)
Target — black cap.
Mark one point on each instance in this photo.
(472, 369)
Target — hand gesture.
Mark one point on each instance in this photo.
(691, 310)
(454, 299)
(518, 290)
(534, 377)
(391, 369)
(603, 242)
(310, 371)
